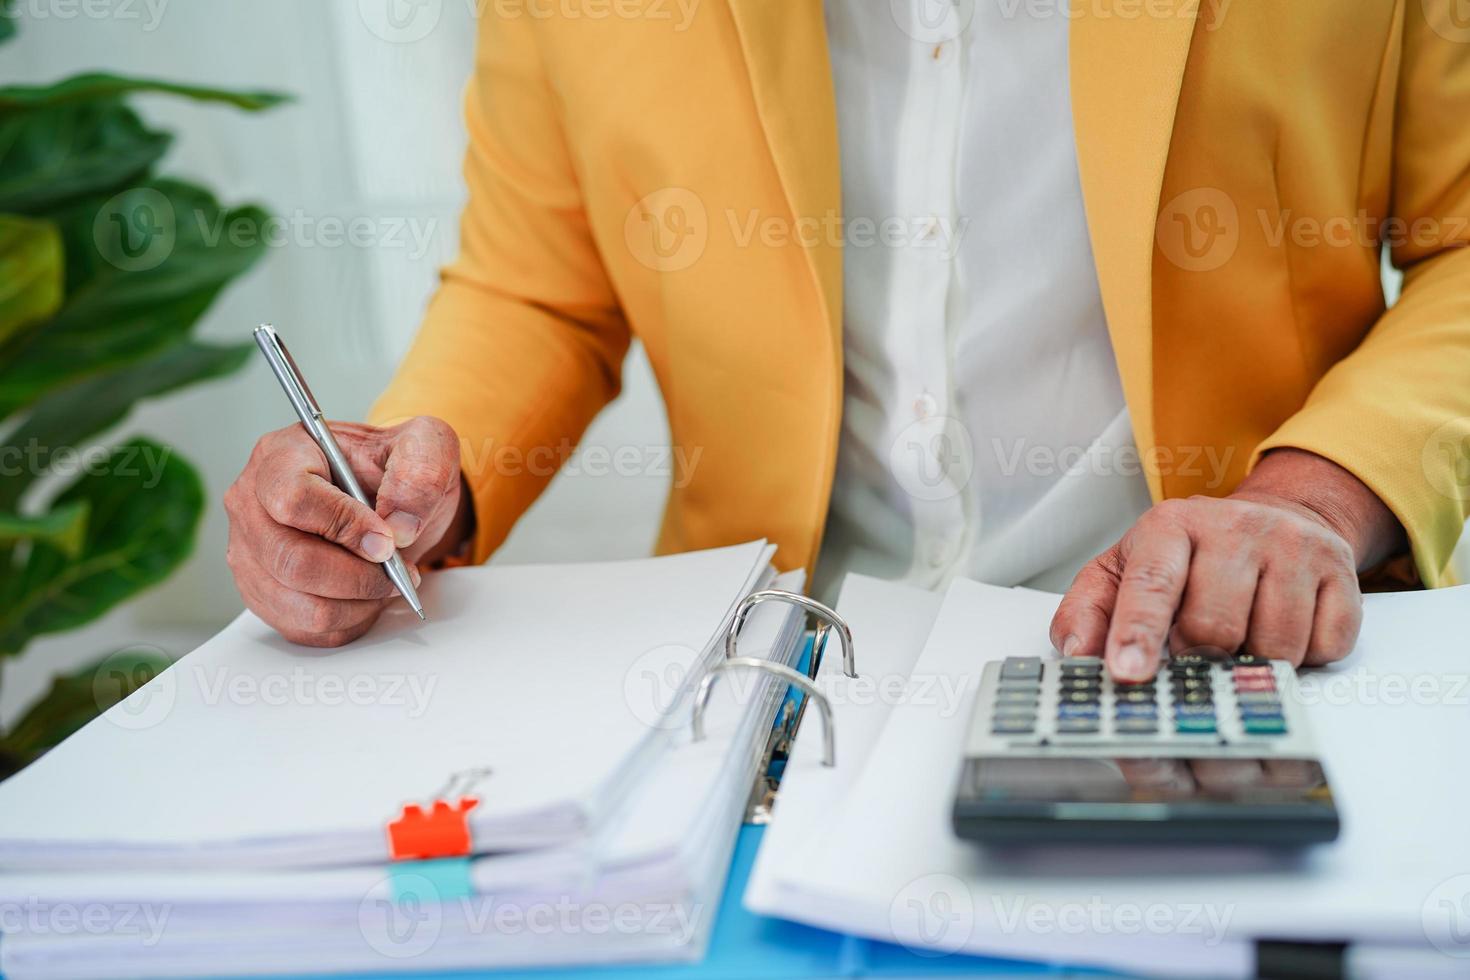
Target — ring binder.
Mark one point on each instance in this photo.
(763, 792)
(826, 617)
(785, 673)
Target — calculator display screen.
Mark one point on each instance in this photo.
(1146, 780)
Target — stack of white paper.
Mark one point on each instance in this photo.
(611, 830)
(870, 851)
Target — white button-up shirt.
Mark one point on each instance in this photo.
(984, 430)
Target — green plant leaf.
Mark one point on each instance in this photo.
(63, 528)
(52, 154)
(68, 417)
(30, 273)
(76, 698)
(141, 268)
(101, 85)
(145, 505)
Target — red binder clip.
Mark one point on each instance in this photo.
(443, 831)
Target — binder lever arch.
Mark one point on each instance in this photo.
(778, 747)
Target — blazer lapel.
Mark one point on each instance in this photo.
(1127, 64)
(785, 48)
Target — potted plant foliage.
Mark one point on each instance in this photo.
(106, 267)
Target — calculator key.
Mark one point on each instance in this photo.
(1078, 710)
(1136, 711)
(1260, 711)
(1021, 669)
(1195, 697)
(1013, 726)
(1080, 697)
(1261, 671)
(1079, 684)
(1135, 726)
(1244, 698)
(1025, 687)
(1016, 697)
(1135, 695)
(1077, 726)
(1192, 684)
(1194, 710)
(1194, 725)
(1015, 711)
(1251, 660)
(1265, 684)
(1189, 660)
(1081, 665)
(1265, 726)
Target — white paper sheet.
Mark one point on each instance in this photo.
(889, 624)
(646, 886)
(252, 752)
(1388, 721)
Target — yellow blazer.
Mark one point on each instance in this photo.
(669, 170)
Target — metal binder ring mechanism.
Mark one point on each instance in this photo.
(828, 621)
(781, 671)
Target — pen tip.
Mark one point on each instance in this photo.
(421, 614)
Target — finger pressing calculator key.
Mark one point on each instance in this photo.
(1058, 751)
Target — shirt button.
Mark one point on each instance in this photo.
(925, 406)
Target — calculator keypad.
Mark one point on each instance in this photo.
(1194, 700)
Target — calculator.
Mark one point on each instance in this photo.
(1212, 750)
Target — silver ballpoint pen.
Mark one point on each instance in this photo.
(310, 413)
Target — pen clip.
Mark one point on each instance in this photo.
(286, 371)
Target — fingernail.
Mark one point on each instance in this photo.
(413, 573)
(1132, 662)
(1070, 645)
(378, 547)
(405, 527)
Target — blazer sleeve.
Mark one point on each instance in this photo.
(1396, 412)
(524, 341)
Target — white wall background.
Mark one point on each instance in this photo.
(375, 132)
